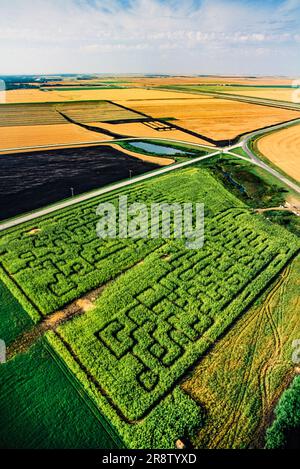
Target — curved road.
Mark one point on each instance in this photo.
(258, 162)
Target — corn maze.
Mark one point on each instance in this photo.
(165, 308)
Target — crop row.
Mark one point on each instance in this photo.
(64, 258)
(156, 320)
(46, 114)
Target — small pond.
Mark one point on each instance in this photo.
(157, 149)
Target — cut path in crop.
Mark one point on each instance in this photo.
(279, 209)
(51, 322)
(240, 380)
(78, 307)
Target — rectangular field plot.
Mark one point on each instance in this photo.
(49, 113)
(214, 118)
(154, 322)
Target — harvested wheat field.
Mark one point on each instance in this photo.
(277, 94)
(38, 96)
(178, 80)
(21, 137)
(53, 113)
(215, 118)
(139, 129)
(283, 149)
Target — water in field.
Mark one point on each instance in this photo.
(157, 149)
(232, 181)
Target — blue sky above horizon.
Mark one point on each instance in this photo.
(246, 37)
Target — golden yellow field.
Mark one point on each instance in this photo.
(283, 149)
(180, 80)
(150, 159)
(215, 118)
(277, 94)
(240, 379)
(30, 136)
(138, 129)
(37, 96)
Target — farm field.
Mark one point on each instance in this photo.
(134, 113)
(277, 92)
(144, 331)
(50, 113)
(51, 419)
(215, 118)
(245, 373)
(143, 130)
(20, 137)
(37, 96)
(35, 179)
(284, 93)
(282, 149)
(207, 80)
(149, 231)
(148, 342)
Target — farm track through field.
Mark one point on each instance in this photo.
(51, 322)
(230, 429)
(264, 377)
(23, 343)
(279, 209)
(228, 435)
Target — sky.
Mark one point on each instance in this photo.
(233, 37)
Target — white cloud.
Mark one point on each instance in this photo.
(147, 36)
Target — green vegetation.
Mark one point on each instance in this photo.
(191, 152)
(66, 258)
(241, 152)
(245, 372)
(252, 185)
(13, 319)
(285, 430)
(286, 219)
(84, 88)
(255, 187)
(146, 329)
(40, 407)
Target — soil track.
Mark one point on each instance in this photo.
(240, 381)
(51, 322)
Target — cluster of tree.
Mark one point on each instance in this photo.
(285, 430)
